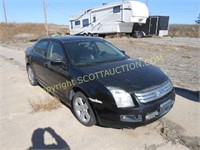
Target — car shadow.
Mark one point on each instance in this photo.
(38, 140)
(188, 94)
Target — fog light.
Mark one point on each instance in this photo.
(131, 118)
(152, 115)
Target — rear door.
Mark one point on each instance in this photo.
(39, 59)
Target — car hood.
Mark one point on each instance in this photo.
(144, 76)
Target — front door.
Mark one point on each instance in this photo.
(56, 73)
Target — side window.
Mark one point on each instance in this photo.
(94, 19)
(55, 51)
(116, 9)
(71, 24)
(41, 48)
(77, 22)
(85, 22)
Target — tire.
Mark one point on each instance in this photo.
(82, 110)
(141, 35)
(138, 34)
(31, 76)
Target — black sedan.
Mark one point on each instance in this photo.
(99, 82)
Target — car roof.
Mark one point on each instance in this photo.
(64, 39)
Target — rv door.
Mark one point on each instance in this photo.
(153, 26)
(126, 12)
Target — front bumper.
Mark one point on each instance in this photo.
(133, 117)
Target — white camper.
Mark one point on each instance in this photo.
(116, 17)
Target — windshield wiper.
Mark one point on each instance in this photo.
(99, 62)
(86, 64)
(112, 60)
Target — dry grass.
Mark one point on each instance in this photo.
(184, 30)
(27, 31)
(44, 104)
(11, 31)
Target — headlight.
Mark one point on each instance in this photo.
(122, 98)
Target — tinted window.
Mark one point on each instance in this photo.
(116, 9)
(105, 48)
(41, 47)
(85, 22)
(55, 51)
(89, 52)
(77, 22)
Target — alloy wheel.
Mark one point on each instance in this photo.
(81, 109)
(31, 75)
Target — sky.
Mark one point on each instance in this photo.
(58, 11)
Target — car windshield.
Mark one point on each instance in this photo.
(93, 52)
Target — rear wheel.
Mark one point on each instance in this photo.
(82, 110)
(138, 34)
(31, 76)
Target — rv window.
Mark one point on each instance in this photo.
(71, 25)
(116, 9)
(85, 22)
(77, 23)
(94, 19)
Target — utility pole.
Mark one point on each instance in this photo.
(45, 15)
(4, 8)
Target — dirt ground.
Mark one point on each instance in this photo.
(22, 128)
(180, 57)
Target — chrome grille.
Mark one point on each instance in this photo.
(158, 92)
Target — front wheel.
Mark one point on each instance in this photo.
(82, 110)
(31, 76)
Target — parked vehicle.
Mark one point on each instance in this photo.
(109, 18)
(154, 26)
(99, 82)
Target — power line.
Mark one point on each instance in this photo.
(57, 10)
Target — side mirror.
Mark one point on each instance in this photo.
(57, 62)
(123, 51)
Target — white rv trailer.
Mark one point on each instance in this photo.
(116, 17)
